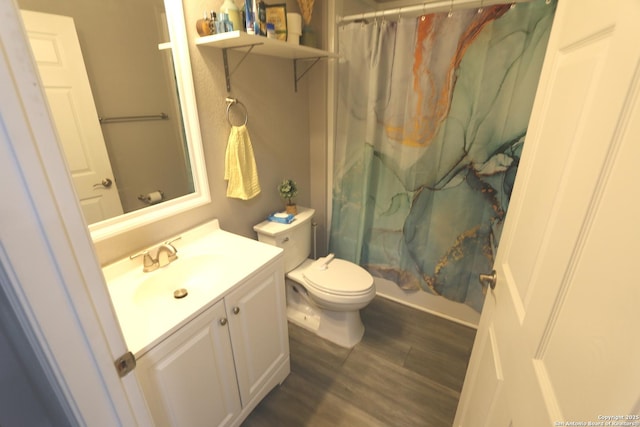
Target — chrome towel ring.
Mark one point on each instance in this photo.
(231, 102)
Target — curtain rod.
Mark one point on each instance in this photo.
(430, 6)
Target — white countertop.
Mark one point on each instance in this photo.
(233, 259)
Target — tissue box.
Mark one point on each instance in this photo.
(281, 217)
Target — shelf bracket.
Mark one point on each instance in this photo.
(227, 73)
(297, 78)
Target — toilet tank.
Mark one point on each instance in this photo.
(294, 238)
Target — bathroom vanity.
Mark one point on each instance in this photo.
(206, 359)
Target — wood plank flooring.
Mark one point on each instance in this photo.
(407, 371)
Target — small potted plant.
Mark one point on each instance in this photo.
(288, 190)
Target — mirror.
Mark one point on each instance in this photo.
(143, 91)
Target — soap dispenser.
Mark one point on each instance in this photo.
(229, 7)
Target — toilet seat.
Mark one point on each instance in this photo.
(338, 277)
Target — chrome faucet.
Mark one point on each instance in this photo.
(165, 255)
(148, 263)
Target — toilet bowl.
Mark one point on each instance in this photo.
(326, 295)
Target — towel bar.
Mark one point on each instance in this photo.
(105, 120)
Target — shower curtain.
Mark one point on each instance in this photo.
(431, 118)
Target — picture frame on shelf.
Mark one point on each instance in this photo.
(277, 15)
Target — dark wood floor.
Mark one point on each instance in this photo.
(407, 371)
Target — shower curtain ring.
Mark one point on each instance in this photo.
(424, 12)
(481, 8)
(450, 10)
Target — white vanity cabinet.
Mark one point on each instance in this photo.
(189, 379)
(259, 335)
(215, 369)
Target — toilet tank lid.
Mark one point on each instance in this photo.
(272, 228)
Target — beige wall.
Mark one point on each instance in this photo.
(279, 125)
(318, 134)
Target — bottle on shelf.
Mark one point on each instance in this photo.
(223, 24)
(261, 18)
(256, 18)
(271, 30)
(230, 8)
(249, 16)
(207, 25)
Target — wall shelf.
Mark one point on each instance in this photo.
(263, 46)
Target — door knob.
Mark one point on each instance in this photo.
(489, 279)
(106, 183)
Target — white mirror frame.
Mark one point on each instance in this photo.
(180, 49)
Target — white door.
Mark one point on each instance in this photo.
(56, 48)
(559, 338)
(51, 276)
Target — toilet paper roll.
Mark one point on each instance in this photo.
(154, 197)
(294, 23)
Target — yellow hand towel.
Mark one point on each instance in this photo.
(240, 166)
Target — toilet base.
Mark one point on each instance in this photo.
(310, 322)
(343, 328)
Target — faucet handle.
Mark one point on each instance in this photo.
(148, 263)
(174, 254)
(169, 242)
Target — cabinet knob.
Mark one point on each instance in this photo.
(236, 310)
(223, 321)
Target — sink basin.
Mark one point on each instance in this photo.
(210, 263)
(193, 273)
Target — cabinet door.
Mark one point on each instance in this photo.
(189, 379)
(258, 327)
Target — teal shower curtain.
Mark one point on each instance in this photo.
(431, 118)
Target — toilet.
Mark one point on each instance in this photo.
(325, 295)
